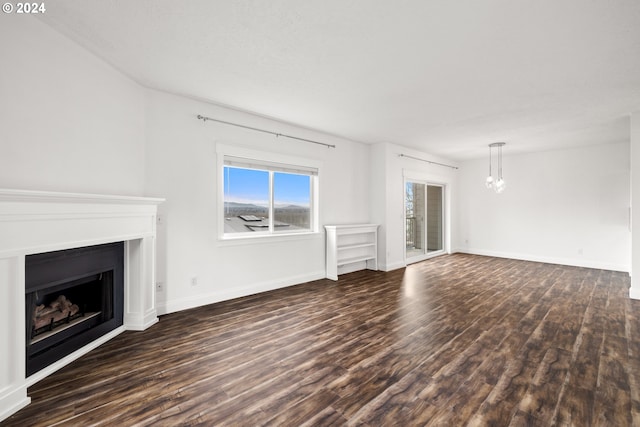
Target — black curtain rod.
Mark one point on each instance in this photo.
(428, 161)
(204, 119)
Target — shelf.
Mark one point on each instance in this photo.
(355, 228)
(348, 246)
(356, 246)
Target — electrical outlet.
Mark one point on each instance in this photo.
(159, 286)
(194, 281)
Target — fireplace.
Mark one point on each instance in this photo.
(38, 228)
(72, 297)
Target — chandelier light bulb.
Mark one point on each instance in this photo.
(489, 182)
(500, 185)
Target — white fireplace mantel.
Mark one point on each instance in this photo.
(34, 222)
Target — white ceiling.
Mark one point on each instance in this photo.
(447, 77)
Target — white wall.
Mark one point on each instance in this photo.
(379, 194)
(567, 206)
(181, 166)
(634, 292)
(388, 172)
(68, 121)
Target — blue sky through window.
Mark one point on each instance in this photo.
(290, 189)
(252, 186)
(246, 186)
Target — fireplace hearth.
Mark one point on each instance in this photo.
(72, 297)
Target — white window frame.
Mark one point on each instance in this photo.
(271, 162)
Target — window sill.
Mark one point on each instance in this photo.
(268, 238)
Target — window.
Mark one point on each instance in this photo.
(263, 197)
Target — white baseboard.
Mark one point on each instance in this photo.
(166, 307)
(135, 324)
(393, 266)
(12, 402)
(171, 306)
(634, 293)
(550, 260)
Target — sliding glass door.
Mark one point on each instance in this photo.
(415, 219)
(424, 220)
(435, 230)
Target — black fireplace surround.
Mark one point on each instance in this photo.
(92, 279)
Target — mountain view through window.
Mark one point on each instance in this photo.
(248, 196)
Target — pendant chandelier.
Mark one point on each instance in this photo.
(498, 184)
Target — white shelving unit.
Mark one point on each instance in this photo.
(350, 248)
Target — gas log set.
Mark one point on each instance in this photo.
(59, 311)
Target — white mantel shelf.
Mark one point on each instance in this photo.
(42, 221)
(52, 196)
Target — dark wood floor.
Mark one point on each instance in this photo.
(454, 340)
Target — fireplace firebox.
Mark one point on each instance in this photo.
(72, 297)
